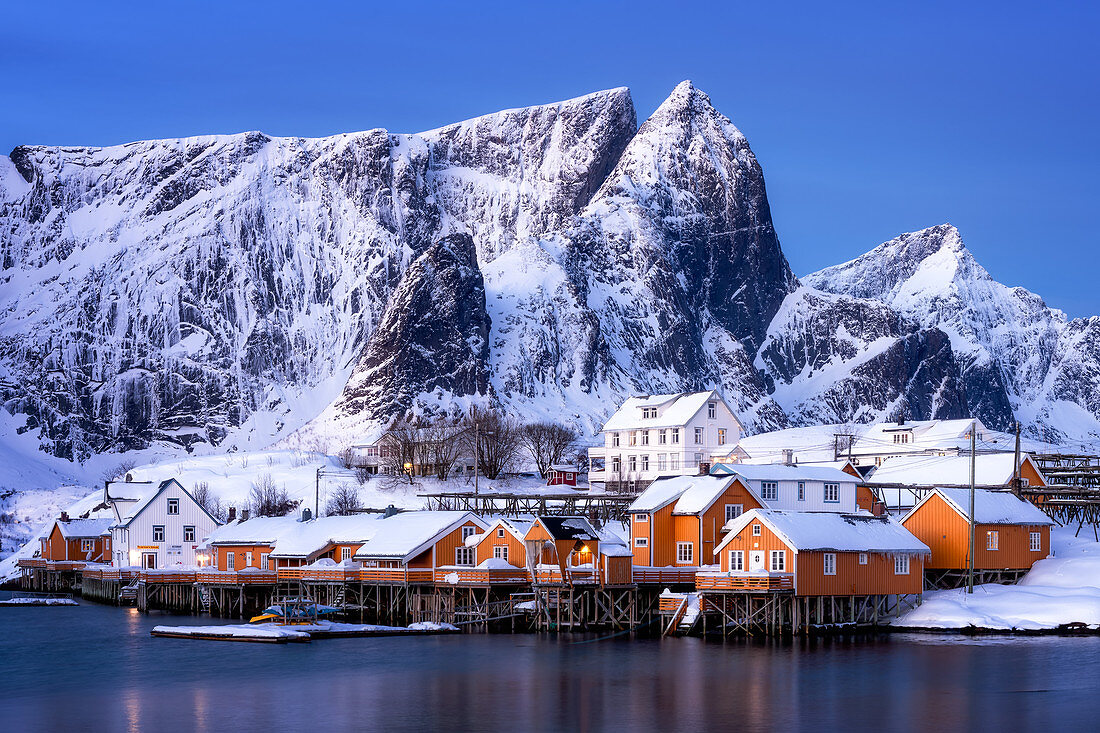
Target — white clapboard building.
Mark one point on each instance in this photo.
(156, 525)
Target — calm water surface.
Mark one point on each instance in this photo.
(97, 668)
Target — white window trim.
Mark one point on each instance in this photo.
(901, 565)
(863, 558)
(465, 552)
(739, 508)
(993, 540)
(231, 560)
(641, 542)
(828, 563)
(756, 531)
(500, 552)
(680, 554)
(500, 532)
(1035, 541)
(778, 561)
(736, 560)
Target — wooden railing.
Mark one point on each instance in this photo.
(109, 573)
(396, 575)
(41, 562)
(168, 576)
(576, 576)
(474, 576)
(665, 575)
(236, 577)
(747, 582)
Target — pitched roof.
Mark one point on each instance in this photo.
(991, 469)
(661, 493)
(990, 507)
(76, 529)
(829, 531)
(405, 535)
(812, 444)
(137, 508)
(701, 493)
(675, 409)
(569, 528)
(783, 472)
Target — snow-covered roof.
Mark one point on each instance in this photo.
(569, 528)
(673, 410)
(829, 531)
(127, 514)
(614, 549)
(289, 537)
(783, 472)
(990, 507)
(991, 469)
(128, 490)
(406, 535)
(701, 493)
(75, 529)
(813, 444)
(662, 492)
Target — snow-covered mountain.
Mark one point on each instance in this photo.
(229, 290)
(1017, 358)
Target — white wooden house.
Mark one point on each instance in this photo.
(155, 525)
(662, 435)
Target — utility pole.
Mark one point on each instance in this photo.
(973, 466)
(317, 494)
(477, 456)
(1016, 463)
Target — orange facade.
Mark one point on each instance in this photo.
(947, 533)
(244, 556)
(56, 548)
(516, 551)
(664, 532)
(878, 576)
(444, 548)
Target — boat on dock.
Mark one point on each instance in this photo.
(273, 633)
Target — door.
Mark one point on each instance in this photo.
(756, 560)
(149, 560)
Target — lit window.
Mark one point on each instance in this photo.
(1036, 540)
(733, 511)
(737, 560)
(158, 533)
(721, 436)
(779, 561)
(992, 540)
(685, 552)
(188, 534)
(830, 563)
(173, 506)
(641, 541)
(87, 545)
(769, 490)
(832, 493)
(756, 530)
(633, 437)
(863, 558)
(901, 565)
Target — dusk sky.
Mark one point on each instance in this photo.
(868, 122)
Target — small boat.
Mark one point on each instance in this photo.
(294, 611)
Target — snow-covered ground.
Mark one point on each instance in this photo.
(1062, 589)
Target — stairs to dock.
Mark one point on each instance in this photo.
(127, 595)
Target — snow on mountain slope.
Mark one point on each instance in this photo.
(1017, 357)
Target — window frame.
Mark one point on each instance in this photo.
(662, 436)
(500, 532)
(500, 552)
(863, 559)
(158, 529)
(828, 563)
(675, 435)
(700, 436)
(802, 491)
(231, 561)
(712, 410)
(739, 565)
(992, 540)
(641, 541)
(87, 545)
(777, 561)
(681, 554)
(645, 462)
(1035, 541)
(825, 487)
(465, 552)
(901, 564)
(757, 531)
(173, 504)
(189, 532)
(345, 554)
(614, 440)
(769, 490)
(739, 508)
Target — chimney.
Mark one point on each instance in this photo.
(704, 469)
(390, 511)
(232, 513)
(306, 515)
(64, 516)
(244, 515)
(788, 456)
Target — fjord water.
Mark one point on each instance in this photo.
(96, 668)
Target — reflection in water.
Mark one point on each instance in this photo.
(119, 678)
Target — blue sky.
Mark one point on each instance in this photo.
(868, 121)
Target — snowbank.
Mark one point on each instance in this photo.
(1063, 589)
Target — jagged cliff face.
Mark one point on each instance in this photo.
(1018, 359)
(554, 259)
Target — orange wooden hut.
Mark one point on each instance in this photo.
(78, 540)
(1010, 534)
(570, 550)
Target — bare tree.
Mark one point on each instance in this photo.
(441, 446)
(343, 501)
(347, 457)
(497, 440)
(547, 443)
(401, 449)
(268, 500)
(118, 473)
(362, 474)
(208, 501)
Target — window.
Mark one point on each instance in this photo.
(89, 545)
(649, 412)
(863, 558)
(188, 534)
(737, 560)
(500, 552)
(675, 435)
(464, 556)
(173, 506)
(500, 531)
(372, 451)
(616, 465)
(829, 563)
(662, 461)
(992, 540)
(345, 554)
(769, 490)
(265, 563)
(614, 440)
(901, 565)
(633, 437)
(231, 561)
(641, 517)
(698, 458)
(685, 552)
(1023, 482)
(633, 460)
(779, 561)
(645, 462)
(158, 533)
(802, 491)
(756, 530)
(1036, 541)
(832, 493)
(712, 410)
(698, 436)
(733, 511)
(662, 436)
(721, 436)
(641, 541)
(901, 437)
(467, 531)
(645, 437)
(673, 462)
